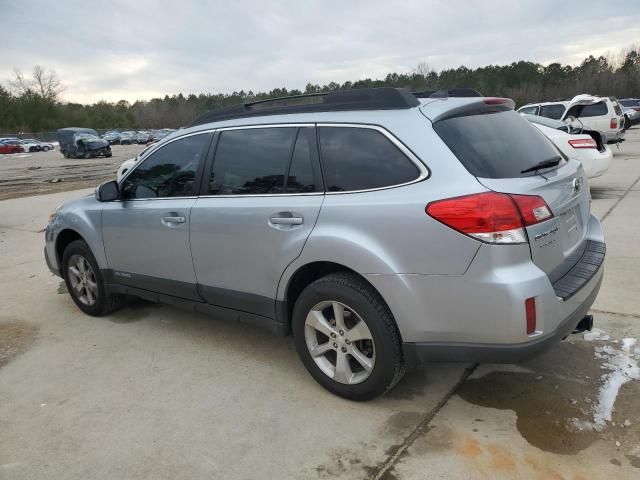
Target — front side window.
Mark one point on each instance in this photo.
(169, 171)
(362, 159)
(552, 111)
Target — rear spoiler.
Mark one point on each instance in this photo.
(482, 106)
(448, 92)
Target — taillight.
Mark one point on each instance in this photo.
(614, 123)
(530, 311)
(583, 143)
(491, 217)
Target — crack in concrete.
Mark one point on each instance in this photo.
(399, 450)
(608, 212)
(618, 314)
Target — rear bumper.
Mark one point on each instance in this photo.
(480, 316)
(421, 352)
(595, 164)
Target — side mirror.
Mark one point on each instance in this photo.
(107, 191)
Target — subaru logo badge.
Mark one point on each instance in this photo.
(577, 184)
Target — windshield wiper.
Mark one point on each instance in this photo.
(548, 163)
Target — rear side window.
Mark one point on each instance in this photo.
(264, 161)
(301, 177)
(362, 159)
(495, 145)
(552, 111)
(593, 110)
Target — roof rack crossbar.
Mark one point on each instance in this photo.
(384, 98)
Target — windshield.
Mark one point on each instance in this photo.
(495, 145)
(87, 136)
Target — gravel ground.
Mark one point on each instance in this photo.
(26, 174)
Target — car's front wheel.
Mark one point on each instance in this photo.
(347, 338)
(84, 281)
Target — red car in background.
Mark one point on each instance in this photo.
(11, 146)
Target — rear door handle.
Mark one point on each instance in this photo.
(286, 218)
(174, 219)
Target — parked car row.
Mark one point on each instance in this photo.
(16, 145)
(141, 137)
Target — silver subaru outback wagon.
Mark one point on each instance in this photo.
(380, 228)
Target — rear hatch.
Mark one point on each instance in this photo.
(498, 146)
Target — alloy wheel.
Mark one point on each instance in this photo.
(83, 280)
(340, 342)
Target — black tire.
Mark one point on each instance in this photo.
(627, 124)
(46, 148)
(105, 302)
(108, 155)
(86, 154)
(351, 290)
(65, 154)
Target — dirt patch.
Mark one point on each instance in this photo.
(15, 337)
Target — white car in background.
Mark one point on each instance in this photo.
(128, 164)
(602, 114)
(586, 146)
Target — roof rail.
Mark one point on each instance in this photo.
(449, 92)
(384, 98)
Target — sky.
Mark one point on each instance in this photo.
(139, 49)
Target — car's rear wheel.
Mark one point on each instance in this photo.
(84, 281)
(347, 338)
(46, 148)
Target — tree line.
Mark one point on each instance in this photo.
(33, 103)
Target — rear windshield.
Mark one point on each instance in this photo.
(592, 110)
(629, 103)
(495, 145)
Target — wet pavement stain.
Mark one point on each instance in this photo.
(546, 399)
(413, 384)
(16, 336)
(134, 310)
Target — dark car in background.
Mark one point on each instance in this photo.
(127, 138)
(112, 137)
(82, 143)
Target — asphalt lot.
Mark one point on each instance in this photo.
(26, 174)
(155, 392)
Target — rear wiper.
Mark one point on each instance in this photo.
(548, 163)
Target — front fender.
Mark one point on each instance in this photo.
(84, 217)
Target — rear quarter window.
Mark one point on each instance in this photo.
(362, 159)
(495, 145)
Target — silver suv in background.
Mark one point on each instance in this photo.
(379, 228)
